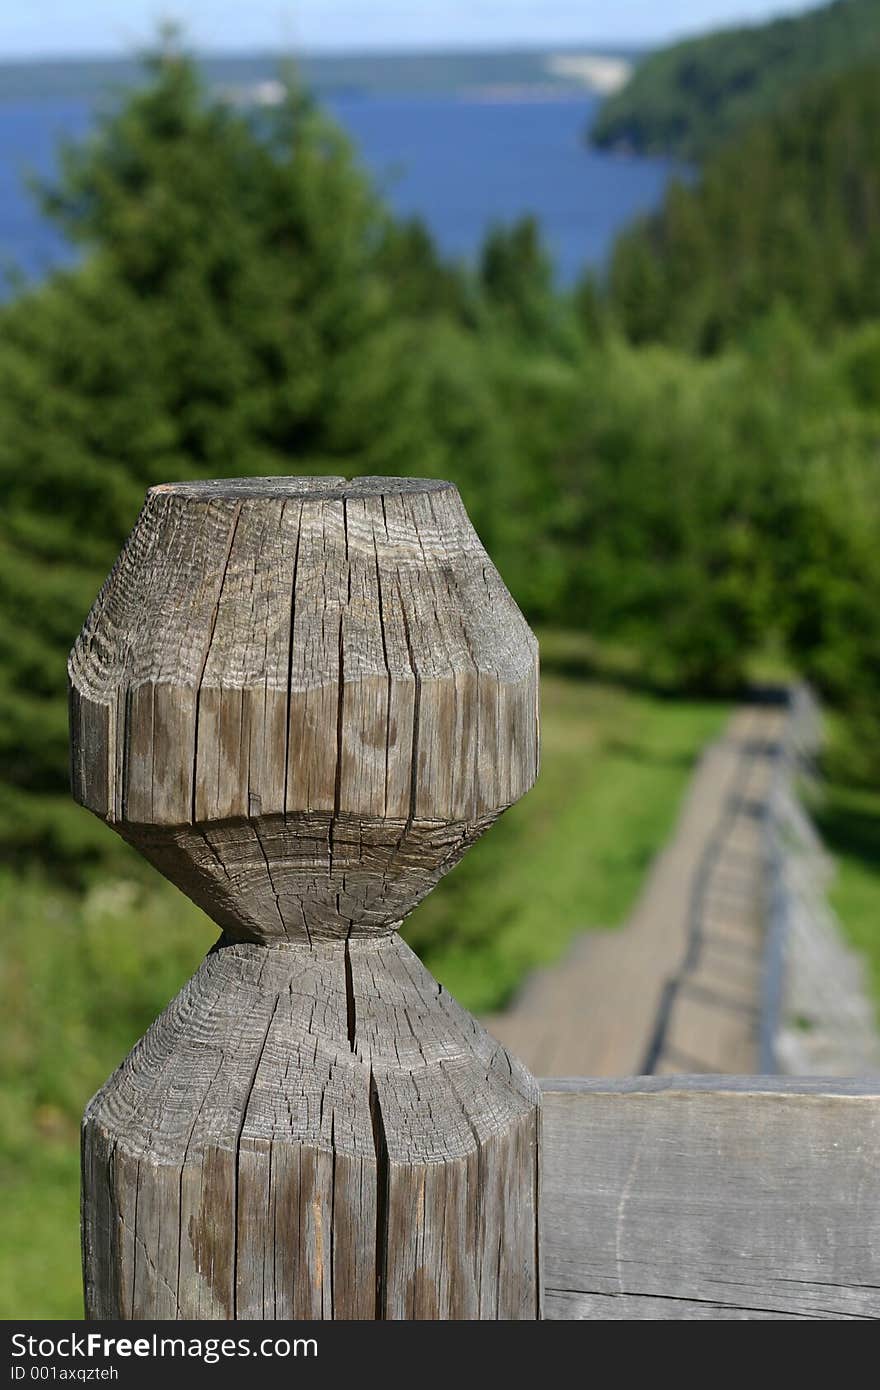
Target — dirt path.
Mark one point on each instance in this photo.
(673, 990)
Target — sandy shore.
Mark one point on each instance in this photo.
(599, 73)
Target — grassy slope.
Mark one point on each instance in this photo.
(81, 978)
(849, 820)
(847, 813)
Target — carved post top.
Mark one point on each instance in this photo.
(326, 488)
(311, 662)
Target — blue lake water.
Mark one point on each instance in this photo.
(460, 163)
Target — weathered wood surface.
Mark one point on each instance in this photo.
(711, 1197)
(302, 699)
(313, 1133)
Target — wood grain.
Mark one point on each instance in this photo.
(313, 1133)
(299, 696)
(711, 1197)
(302, 700)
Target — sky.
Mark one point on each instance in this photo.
(68, 28)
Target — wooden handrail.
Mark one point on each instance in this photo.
(711, 1197)
(302, 700)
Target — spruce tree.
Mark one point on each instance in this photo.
(232, 313)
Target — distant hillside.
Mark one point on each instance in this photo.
(787, 216)
(687, 99)
(485, 72)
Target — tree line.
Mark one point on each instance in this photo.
(692, 97)
(656, 459)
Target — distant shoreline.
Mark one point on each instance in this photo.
(599, 72)
(631, 53)
(485, 74)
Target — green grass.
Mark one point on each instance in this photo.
(849, 821)
(82, 975)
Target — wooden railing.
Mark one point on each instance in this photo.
(817, 1013)
(798, 747)
(711, 1197)
(302, 700)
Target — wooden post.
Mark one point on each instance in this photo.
(302, 699)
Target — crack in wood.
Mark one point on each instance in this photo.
(302, 700)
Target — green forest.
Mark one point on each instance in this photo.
(690, 98)
(675, 468)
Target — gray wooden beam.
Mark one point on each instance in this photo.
(711, 1197)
